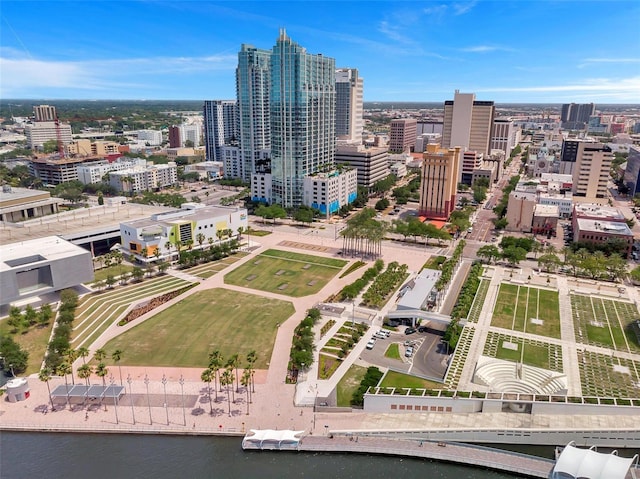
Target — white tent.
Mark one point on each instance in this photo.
(271, 439)
(590, 464)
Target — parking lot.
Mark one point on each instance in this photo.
(429, 358)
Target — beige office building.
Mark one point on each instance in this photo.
(591, 171)
(468, 123)
(438, 183)
(403, 134)
(44, 113)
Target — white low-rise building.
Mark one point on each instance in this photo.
(328, 192)
(94, 173)
(193, 226)
(147, 178)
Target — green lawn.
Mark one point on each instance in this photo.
(392, 351)
(115, 270)
(349, 384)
(286, 273)
(531, 353)
(34, 341)
(518, 308)
(186, 333)
(399, 380)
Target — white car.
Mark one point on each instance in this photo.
(383, 332)
(408, 352)
(371, 344)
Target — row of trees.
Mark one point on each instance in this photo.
(384, 285)
(60, 343)
(14, 359)
(363, 235)
(221, 372)
(594, 265)
(21, 321)
(212, 253)
(449, 265)
(413, 227)
(352, 290)
(468, 292)
(301, 355)
(500, 222)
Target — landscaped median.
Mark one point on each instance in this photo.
(338, 347)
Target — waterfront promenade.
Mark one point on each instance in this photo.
(151, 407)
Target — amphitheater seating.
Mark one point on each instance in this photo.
(503, 376)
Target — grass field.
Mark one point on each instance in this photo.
(533, 353)
(286, 273)
(603, 375)
(207, 270)
(399, 380)
(98, 311)
(520, 307)
(604, 322)
(34, 341)
(392, 351)
(186, 333)
(349, 384)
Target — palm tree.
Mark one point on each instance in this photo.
(227, 380)
(99, 355)
(83, 353)
(84, 372)
(207, 376)
(215, 363)
(102, 371)
(62, 370)
(200, 239)
(116, 356)
(234, 361)
(252, 357)
(246, 382)
(71, 355)
(45, 376)
(219, 235)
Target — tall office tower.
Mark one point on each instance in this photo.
(220, 127)
(253, 82)
(302, 105)
(591, 170)
(468, 123)
(403, 134)
(175, 140)
(349, 105)
(504, 135)
(576, 116)
(44, 113)
(439, 180)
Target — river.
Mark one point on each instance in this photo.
(96, 456)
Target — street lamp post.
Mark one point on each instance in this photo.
(184, 417)
(133, 414)
(115, 399)
(164, 385)
(146, 383)
(353, 313)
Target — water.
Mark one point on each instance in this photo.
(96, 456)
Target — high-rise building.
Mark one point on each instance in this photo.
(591, 171)
(505, 135)
(44, 113)
(302, 111)
(371, 163)
(403, 134)
(439, 181)
(349, 105)
(576, 116)
(174, 137)
(253, 82)
(468, 123)
(220, 127)
(632, 172)
(40, 132)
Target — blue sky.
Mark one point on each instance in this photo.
(506, 51)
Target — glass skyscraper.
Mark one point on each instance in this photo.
(302, 111)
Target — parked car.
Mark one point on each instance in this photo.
(422, 329)
(383, 332)
(409, 331)
(408, 352)
(371, 344)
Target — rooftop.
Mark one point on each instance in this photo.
(601, 226)
(32, 251)
(180, 216)
(551, 211)
(597, 211)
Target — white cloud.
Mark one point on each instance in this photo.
(457, 8)
(486, 49)
(464, 7)
(597, 61)
(393, 33)
(21, 75)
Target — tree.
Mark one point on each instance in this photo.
(110, 281)
(207, 376)
(83, 352)
(188, 144)
(252, 356)
(635, 275)
(99, 355)
(45, 314)
(71, 355)
(14, 358)
(215, 363)
(200, 238)
(15, 318)
(246, 382)
(116, 356)
(514, 254)
(84, 372)
(227, 380)
(500, 223)
(489, 252)
(100, 199)
(50, 146)
(303, 215)
(382, 204)
(30, 315)
(549, 261)
(102, 371)
(138, 273)
(62, 370)
(45, 375)
(479, 194)
(234, 362)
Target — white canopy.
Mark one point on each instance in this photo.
(270, 438)
(590, 464)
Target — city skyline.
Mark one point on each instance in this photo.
(556, 52)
